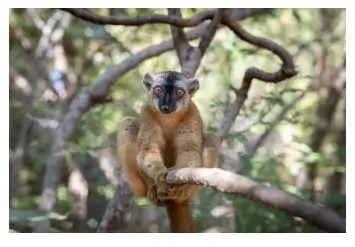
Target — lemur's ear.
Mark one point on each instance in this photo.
(193, 85)
(147, 80)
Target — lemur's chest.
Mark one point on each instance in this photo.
(170, 140)
(170, 136)
(170, 152)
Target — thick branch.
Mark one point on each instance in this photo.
(286, 71)
(232, 183)
(141, 19)
(189, 56)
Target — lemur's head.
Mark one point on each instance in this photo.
(169, 91)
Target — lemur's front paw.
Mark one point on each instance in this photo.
(166, 192)
(152, 195)
(163, 189)
(177, 193)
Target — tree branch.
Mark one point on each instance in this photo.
(78, 193)
(140, 20)
(228, 182)
(17, 160)
(207, 36)
(86, 15)
(115, 208)
(180, 41)
(326, 109)
(286, 71)
(189, 56)
(334, 183)
(44, 44)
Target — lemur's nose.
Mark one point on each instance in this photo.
(165, 109)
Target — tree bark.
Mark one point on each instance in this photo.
(228, 182)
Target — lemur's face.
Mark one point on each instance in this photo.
(169, 91)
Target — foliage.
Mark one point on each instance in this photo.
(277, 162)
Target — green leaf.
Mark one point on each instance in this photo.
(313, 157)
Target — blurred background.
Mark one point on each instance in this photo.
(290, 135)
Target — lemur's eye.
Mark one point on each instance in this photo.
(157, 90)
(180, 93)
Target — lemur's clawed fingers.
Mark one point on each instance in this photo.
(154, 198)
(177, 193)
(162, 186)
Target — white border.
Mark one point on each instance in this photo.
(167, 239)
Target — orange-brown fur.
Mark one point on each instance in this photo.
(155, 142)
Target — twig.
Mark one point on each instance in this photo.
(286, 71)
(180, 41)
(274, 123)
(207, 36)
(228, 182)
